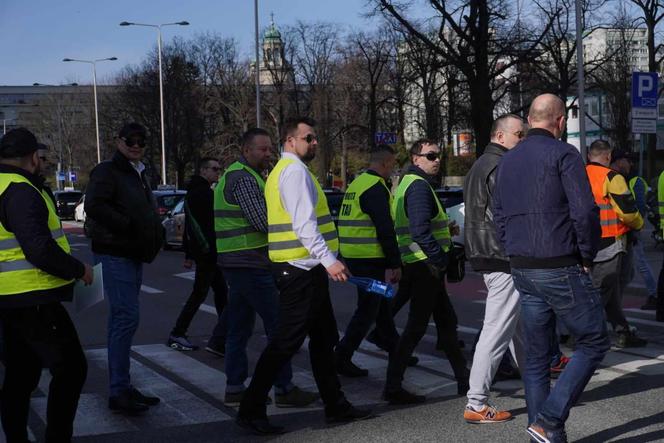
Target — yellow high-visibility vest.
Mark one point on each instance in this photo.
(17, 274)
(411, 251)
(283, 244)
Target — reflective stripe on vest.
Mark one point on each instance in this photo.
(283, 244)
(17, 274)
(411, 251)
(608, 218)
(357, 233)
(233, 231)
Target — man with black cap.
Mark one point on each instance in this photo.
(126, 232)
(37, 272)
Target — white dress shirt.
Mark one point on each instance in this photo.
(299, 197)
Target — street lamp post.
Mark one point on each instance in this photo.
(258, 70)
(161, 88)
(94, 90)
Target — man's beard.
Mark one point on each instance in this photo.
(310, 155)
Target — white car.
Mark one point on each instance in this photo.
(79, 211)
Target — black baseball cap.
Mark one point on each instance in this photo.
(130, 129)
(18, 142)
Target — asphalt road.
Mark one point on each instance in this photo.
(621, 403)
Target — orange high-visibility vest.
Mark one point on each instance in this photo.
(612, 226)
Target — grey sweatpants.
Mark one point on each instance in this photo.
(500, 330)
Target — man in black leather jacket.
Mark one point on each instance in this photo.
(126, 232)
(487, 256)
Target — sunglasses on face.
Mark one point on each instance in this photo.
(129, 142)
(431, 156)
(309, 138)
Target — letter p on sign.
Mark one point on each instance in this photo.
(645, 86)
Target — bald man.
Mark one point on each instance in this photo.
(547, 221)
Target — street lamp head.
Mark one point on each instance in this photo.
(113, 58)
(126, 24)
(183, 23)
(67, 60)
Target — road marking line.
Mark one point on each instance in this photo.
(189, 275)
(207, 308)
(150, 290)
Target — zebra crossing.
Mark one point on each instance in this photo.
(192, 390)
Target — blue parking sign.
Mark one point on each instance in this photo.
(644, 89)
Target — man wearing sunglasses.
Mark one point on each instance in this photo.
(424, 237)
(198, 242)
(487, 257)
(302, 245)
(126, 231)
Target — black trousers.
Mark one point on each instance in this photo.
(371, 308)
(426, 291)
(39, 337)
(208, 275)
(304, 309)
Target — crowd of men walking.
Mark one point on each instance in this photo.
(552, 237)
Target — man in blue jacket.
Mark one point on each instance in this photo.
(548, 223)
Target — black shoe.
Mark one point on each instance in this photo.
(412, 361)
(403, 397)
(139, 397)
(259, 426)
(218, 349)
(350, 414)
(349, 369)
(125, 404)
(650, 305)
(629, 339)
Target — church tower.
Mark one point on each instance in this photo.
(273, 66)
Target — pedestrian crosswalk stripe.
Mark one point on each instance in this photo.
(150, 290)
(190, 275)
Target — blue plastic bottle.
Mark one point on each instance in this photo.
(371, 285)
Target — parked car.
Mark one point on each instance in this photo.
(79, 210)
(66, 202)
(451, 198)
(167, 200)
(174, 226)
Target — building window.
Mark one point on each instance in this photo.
(575, 112)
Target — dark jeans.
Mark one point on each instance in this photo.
(207, 275)
(568, 295)
(371, 308)
(606, 276)
(250, 291)
(426, 290)
(304, 309)
(41, 337)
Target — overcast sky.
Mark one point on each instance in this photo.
(37, 34)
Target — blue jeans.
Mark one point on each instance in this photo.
(568, 295)
(250, 291)
(641, 264)
(122, 283)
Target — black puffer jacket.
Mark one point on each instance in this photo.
(483, 249)
(120, 209)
